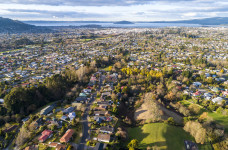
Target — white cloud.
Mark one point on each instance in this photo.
(132, 10)
(190, 14)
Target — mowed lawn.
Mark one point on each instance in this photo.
(162, 135)
(220, 119)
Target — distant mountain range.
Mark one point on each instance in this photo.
(205, 21)
(14, 26)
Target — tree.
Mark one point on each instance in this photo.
(114, 110)
(53, 127)
(194, 108)
(222, 70)
(23, 135)
(196, 130)
(69, 147)
(170, 120)
(133, 144)
(73, 123)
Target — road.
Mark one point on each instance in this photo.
(85, 123)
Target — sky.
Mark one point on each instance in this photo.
(112, 10)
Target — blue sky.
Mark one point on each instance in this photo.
(112, 10)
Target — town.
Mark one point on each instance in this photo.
(115, 88)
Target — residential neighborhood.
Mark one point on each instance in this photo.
(116, 88)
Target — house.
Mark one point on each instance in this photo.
(197, 93)
(224, 93)
(106, 103)
(87, 90)
(215, 89)
(99, 119)
(101, 108)
(81, 99)
(101, 113)
(25, 119)
(106, 94)
(68, 110)
(108, 119)
(83, 95)
(57, 146)
(104, 137)
(60, 147)
(67, 136)
(1, 101)
(107, 129)
(189, 145)
(46, 110)
(72, 115)
(64, 117)
(45, 135)
(218, 100)
(32, 147)
(197, 84)
(207, 96)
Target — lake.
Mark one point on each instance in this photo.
(110, 24)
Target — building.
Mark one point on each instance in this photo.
(72, 115)
(45, 135)
(218, 100)
(107, 129)
(104, 137)
(101, 113)
(67, 136)
(47, 110)
(57, 146)
(189, 145)
(32, 147)
(68, 110)
(81, 99)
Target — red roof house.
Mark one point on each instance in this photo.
(67, 136)
(45, 135)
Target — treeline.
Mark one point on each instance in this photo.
(18, 43)
(144, 72)
(22, 101)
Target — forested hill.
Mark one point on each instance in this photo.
(13, 26)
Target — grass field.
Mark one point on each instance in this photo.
(161, 135)
(220, 119)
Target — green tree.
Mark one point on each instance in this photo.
(114, 110)
(133, 144)
(170, 120)
(73, 123)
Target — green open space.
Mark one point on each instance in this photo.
(164, 136)
(220, 119)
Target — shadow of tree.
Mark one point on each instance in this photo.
(165, 137)
(175, 137)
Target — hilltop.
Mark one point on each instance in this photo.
(123, 22)
(14, 26)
